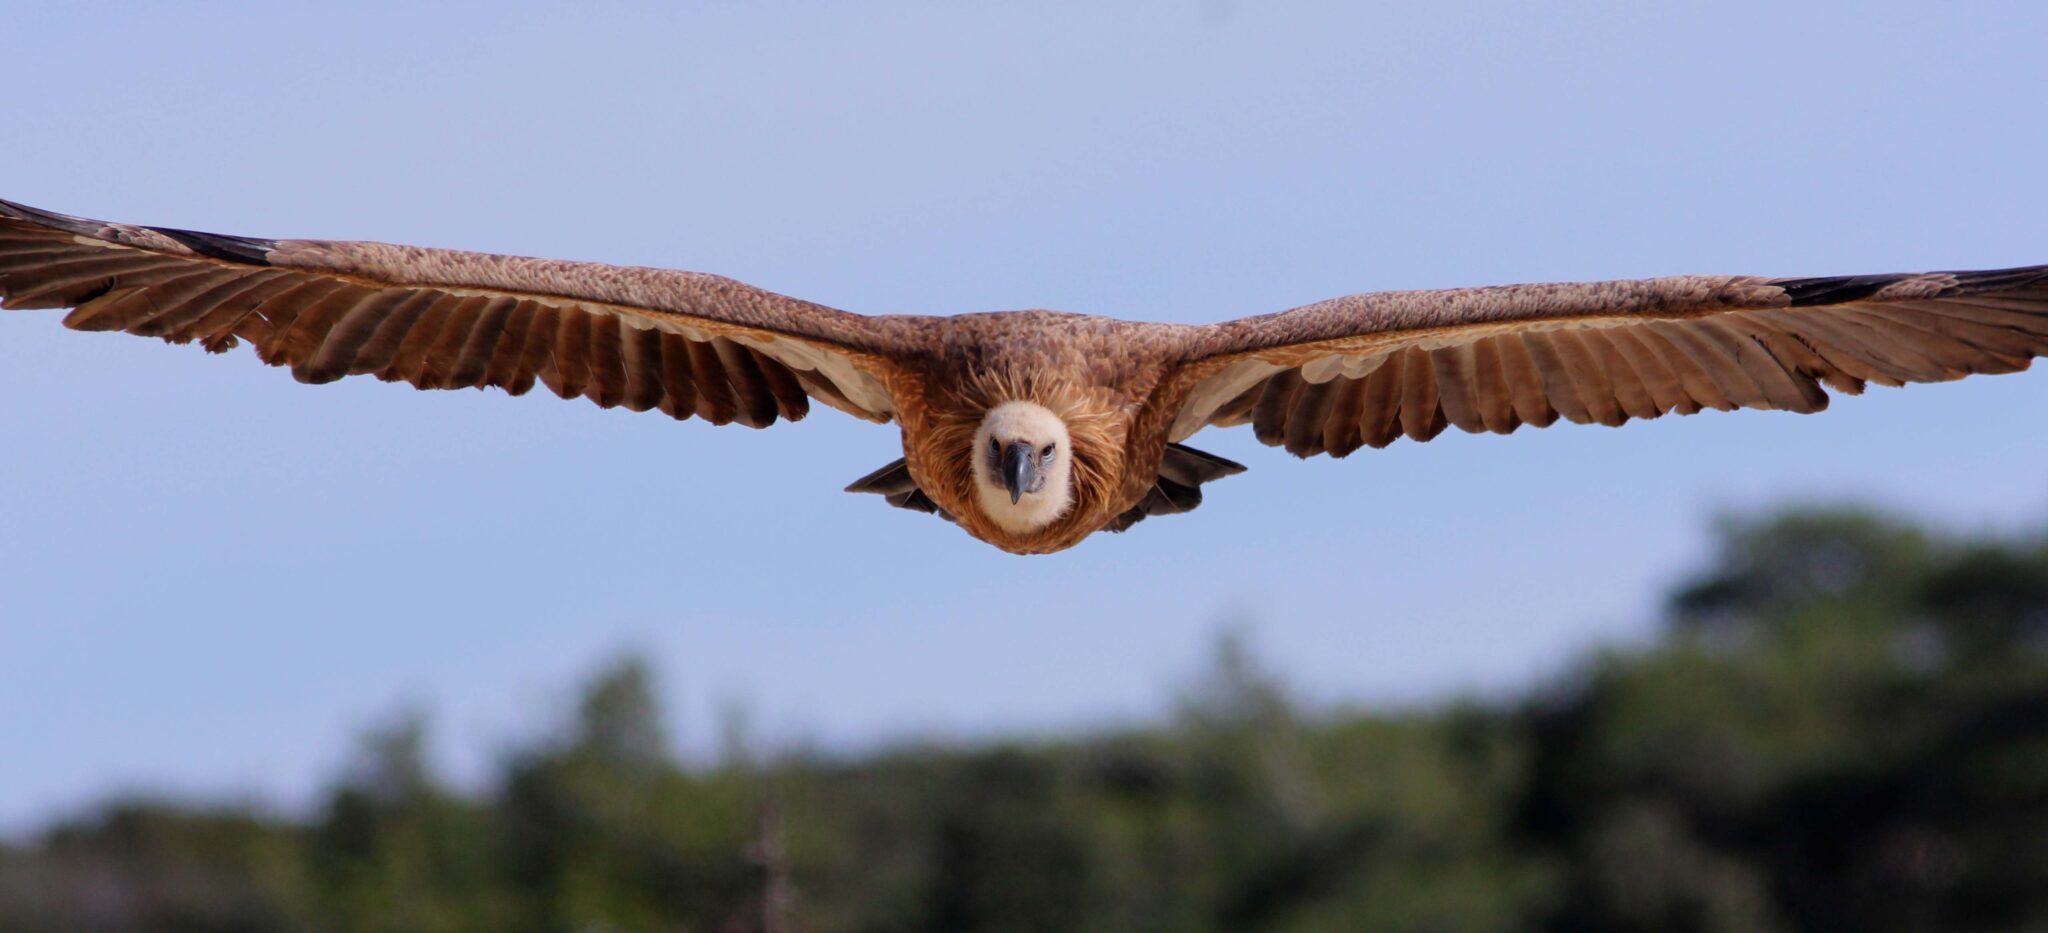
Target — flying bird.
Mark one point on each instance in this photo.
(1031, 430)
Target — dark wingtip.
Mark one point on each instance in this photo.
(213, 245)
(221, 246)
(1991, 280)
(12, 210)
(1829, 290)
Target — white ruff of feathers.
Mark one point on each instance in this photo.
(1036, 425)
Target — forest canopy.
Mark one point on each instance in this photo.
(1842, 725)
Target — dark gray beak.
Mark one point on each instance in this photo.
(1020, 469)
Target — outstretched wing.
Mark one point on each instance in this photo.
(683, 342)
(1366, 369)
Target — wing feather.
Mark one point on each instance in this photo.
(482, 346)
(681, 380)
(1631, 389)
(539, 353)
(1457, 387)
(1494, 359)
(715, 401)
(641, 347)
(1526, 391)
(692, 345)
(570, 371)
(1305, 419)
(1269, 416)
(1656, 387)
(1563, 391)
(1492, 390)
(607, 363)
(791, 400)
(1380, 421)
(1586, 375)
(754, 401)
(1341, 434)
(1421, 416)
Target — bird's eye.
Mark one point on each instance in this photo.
(995, 446)
(1046, 454)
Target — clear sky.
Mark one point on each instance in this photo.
(210, 575)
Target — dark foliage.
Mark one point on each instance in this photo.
(1845, 728)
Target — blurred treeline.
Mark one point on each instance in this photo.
(1843, 726)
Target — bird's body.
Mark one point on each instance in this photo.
(1031, 429)
(1103, 380)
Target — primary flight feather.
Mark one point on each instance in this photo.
(1031, 429)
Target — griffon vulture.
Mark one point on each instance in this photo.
(1031, 429)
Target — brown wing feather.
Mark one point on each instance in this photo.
(686, 343)
(1492, 359)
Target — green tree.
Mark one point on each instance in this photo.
(1845, 727)
(395, 851)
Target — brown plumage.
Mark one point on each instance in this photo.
(1097, 447)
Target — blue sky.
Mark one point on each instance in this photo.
(211, 576)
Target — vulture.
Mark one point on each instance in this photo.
(1031, 430)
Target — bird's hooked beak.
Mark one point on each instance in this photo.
(1020, 469)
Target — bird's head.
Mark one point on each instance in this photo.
(1023, 466)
